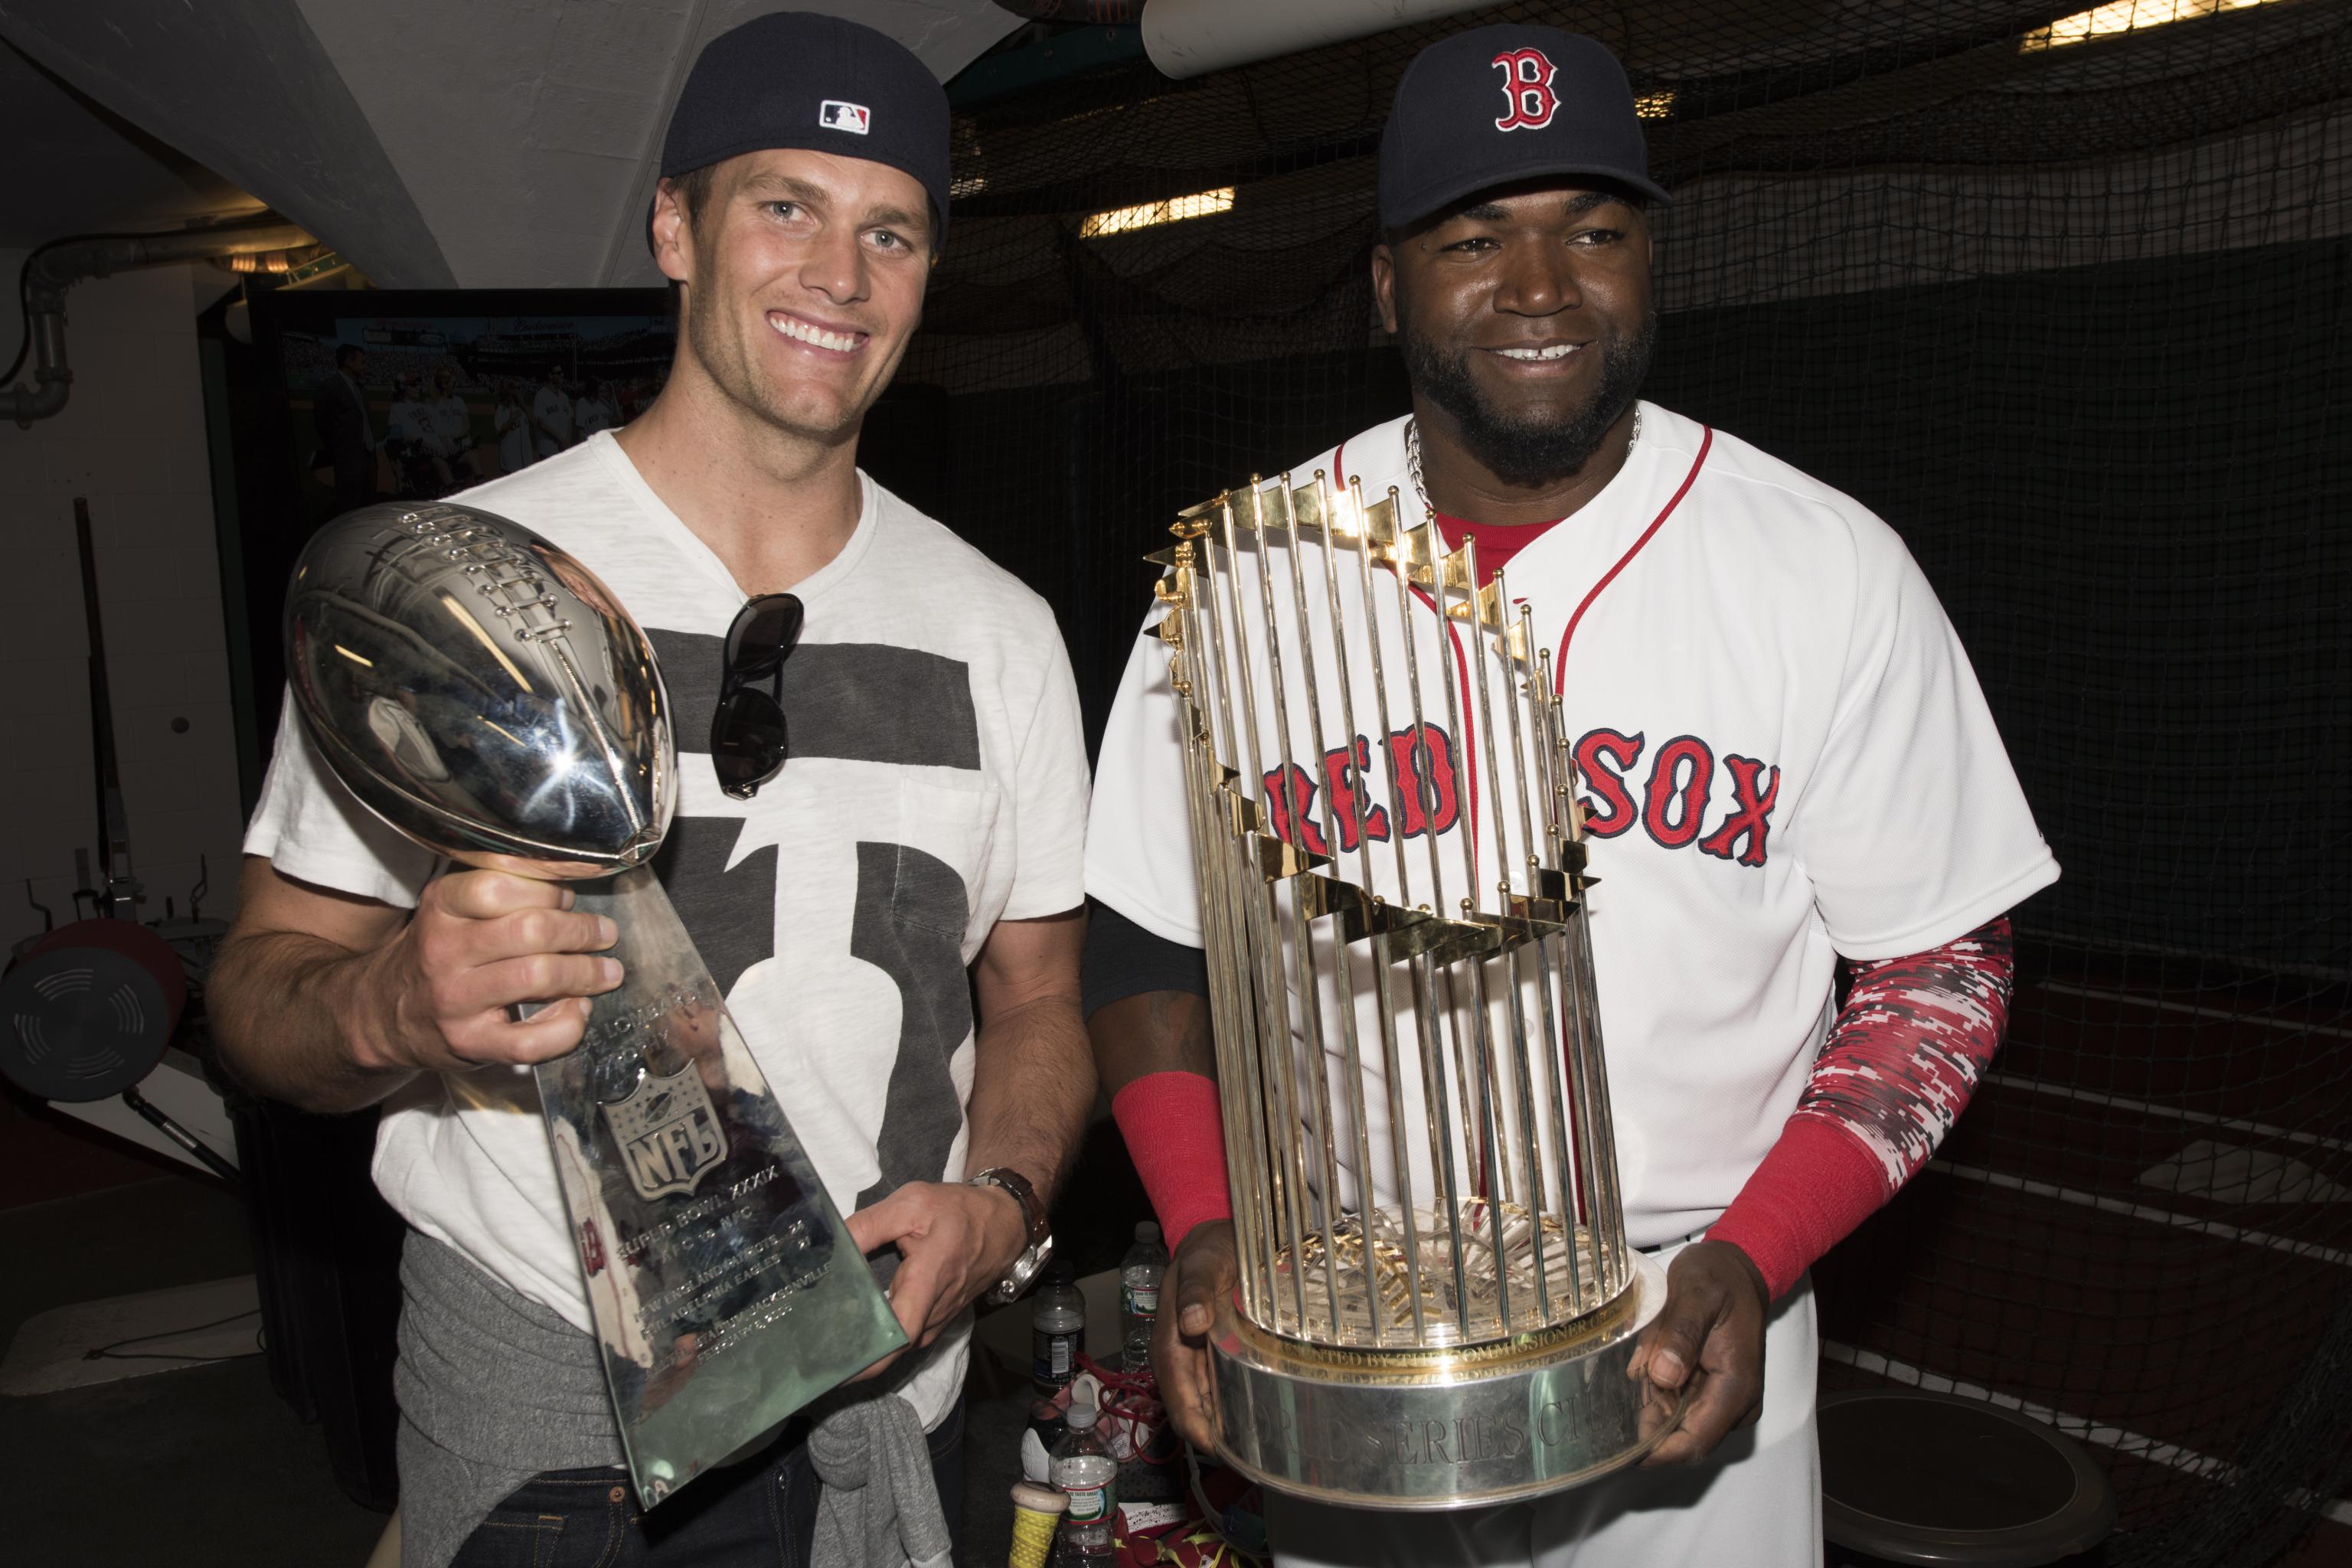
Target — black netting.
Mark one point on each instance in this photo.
(2072, 319)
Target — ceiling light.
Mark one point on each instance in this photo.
(1176, 209)
(2125, 17)
(1658, 105)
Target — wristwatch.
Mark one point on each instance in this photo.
(1041, 1235)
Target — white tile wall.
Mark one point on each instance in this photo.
(132, 440)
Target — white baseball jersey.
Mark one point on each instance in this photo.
(551, 412)
(591, 414)
(1783, 756)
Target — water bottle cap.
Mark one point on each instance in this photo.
(1148, 1231)
(1082, 1416)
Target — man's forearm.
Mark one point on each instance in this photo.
(1158, 1031)
(1900, 1065)
(1033, 1087)
(288, 1012)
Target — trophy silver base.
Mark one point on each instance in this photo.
(1437, 1430)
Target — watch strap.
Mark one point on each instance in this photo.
(1033, 1207)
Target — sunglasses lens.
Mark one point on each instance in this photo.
(764, 631)
(747, 742)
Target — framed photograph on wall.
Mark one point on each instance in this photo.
(352, 396)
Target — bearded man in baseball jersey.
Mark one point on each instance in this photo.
(1784, 761)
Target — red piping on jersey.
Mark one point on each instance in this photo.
(1560, 678)
(1560, 665)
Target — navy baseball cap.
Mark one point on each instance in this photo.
(794, 79)
(1502, 103)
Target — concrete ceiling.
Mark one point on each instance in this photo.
(527, 130)
(75, 167)
(486, 143)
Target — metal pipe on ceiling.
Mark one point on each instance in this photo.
(1096, 13)
(1192, 37)
(50, 271)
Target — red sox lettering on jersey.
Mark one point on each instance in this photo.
(1527, 75)
(1670, 800)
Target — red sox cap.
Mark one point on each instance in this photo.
(1502, 103)
(793, 78)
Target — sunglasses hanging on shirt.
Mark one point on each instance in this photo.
(749, 742)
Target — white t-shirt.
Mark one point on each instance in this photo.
(550, 410)
(453, 422)
(1771, 641)
(411, 419)
(937, 785)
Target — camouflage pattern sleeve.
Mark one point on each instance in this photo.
(1906, 1051)
(1899, 1068)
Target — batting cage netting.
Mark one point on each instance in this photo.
(2065, 298)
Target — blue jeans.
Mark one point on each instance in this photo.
(760, 1511)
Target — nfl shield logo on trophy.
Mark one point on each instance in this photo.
(668, 1133)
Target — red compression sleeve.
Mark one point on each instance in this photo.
(1899, 1068)
(1176, 1135)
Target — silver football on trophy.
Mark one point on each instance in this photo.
(480, 691)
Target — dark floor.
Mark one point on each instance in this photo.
(207, 1466)
(200, 1468)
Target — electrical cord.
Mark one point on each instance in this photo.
(114, 1352)
(25, 315)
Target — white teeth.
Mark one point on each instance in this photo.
(791, 328)
(1557, 350)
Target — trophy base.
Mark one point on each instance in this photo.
(1432, 1431)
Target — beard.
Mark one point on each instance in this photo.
(1531, 452)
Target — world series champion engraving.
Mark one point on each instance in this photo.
(478, 690)
(1437, 1306)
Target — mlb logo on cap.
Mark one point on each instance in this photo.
(836, 115)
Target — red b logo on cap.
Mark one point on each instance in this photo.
(1527, 75)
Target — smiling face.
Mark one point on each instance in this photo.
(1526, 323)
(804, 275)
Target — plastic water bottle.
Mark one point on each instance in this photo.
(1087, 1475)
(1057, 1330)
(1139, 1273)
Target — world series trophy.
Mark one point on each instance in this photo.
(1437, 1308)
(479, 690)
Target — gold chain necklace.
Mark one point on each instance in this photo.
(1413, 455)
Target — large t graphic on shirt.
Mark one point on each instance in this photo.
(871, 702)
(477, 688)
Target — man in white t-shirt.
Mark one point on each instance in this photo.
(550, 413)
(1783, 761)
(914, 850)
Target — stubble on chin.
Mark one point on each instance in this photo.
(1531, 452)
(732, 365)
